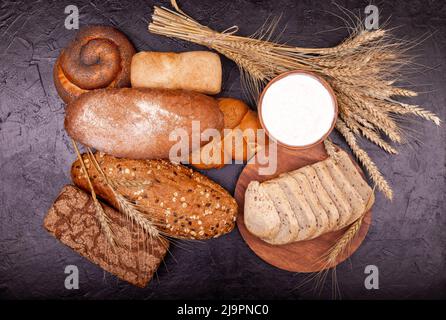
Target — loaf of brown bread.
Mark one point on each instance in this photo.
(136, 123)
(72, 220)
(184, 203)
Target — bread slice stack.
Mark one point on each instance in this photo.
(306, 203)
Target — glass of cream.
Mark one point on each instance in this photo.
(298, 109)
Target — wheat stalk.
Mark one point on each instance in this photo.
(362, 70)
(332, 255)
(365, 160)
(341, 245)
(103, 219)
(124, 205)
(331, 149)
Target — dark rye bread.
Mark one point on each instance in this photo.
(183, 202)
(72, 220)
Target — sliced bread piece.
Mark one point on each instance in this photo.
(313, 201)
(260, 215)
(324, 199)
(353, 197)
(336, 194)
(353, 176)
(289, 227)
(301, 208)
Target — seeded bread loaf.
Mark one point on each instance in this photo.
(305, 203)
(183, 202)
(72, 220)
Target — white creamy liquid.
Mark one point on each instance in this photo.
(297, 110)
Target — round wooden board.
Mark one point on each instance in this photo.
(302, 256)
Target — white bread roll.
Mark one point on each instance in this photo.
(198, 71)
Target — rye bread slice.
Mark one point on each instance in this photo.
(336, 194)
(349, 170)
(324, 199)
(318, 211)
(352, 195)
(260, 215)
(301, 208)
(289, 227)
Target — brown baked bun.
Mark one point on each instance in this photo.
(233, 110)
(99, 57)
(239, 117)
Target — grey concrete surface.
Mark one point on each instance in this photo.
(406, 240)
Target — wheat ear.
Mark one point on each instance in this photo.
(331, 149)
(124, 205)
(363, 157)
(104, 220)
(341, 245)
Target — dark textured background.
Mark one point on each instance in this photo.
(406, 240)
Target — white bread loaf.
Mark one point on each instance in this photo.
(198, 71)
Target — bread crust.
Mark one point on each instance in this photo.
(238, 117)
(72, 220)
(198, 71)
(99, 57)
(136, 122)
(183, 202)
